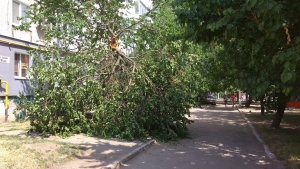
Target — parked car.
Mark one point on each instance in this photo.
(210, 100)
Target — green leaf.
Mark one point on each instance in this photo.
(269, 6)
(258, 89)
(229, 26)
(253, 2)
(236, 81)
(287, 64)
(286, 76)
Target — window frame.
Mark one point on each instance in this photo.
(137, 7)
(20, 12)
(142, 8)
(19, 76)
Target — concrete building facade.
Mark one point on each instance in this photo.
(14, 55)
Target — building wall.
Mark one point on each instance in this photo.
(7, 27)
(9, 37)
(16, 85)
(8, 48)
(14, 41)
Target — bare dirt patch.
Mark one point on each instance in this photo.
(31, 153)
(22, 150)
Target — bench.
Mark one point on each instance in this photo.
(293, 104)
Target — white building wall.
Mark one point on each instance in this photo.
(6, 23)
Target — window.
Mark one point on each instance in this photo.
(137, 7)
(19, 10)
(140, 8)
(143, 9)
(21, 65)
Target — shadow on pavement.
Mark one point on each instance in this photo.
(97, 153)
(219, 138)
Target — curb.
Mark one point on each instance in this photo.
(267, 151)
(125, 158)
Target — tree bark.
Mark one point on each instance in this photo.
(278, 116)
(249, 101)
(262, 108)
(281, 104)
(6, 115)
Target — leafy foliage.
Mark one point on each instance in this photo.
(260, 40)
(258, 37)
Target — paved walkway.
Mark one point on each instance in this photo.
(220, 138)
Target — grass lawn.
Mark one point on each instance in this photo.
(31, 152)
(15, 126)
(284, 142)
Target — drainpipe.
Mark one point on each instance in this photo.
(6, 98)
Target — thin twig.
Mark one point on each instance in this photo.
(256, 20)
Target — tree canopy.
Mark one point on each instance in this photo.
(84, 81)
(260, 41)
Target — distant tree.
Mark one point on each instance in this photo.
(260, 38)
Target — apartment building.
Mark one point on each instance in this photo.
(14, 47)
(15, 44)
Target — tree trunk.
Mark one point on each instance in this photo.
(268, 104)
(6, 115)
(278, 116)
(249, 101)
(262, 108)
(281, 104)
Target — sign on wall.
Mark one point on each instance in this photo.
(4, 59)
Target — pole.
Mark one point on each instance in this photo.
(6, 99)
(240, 102)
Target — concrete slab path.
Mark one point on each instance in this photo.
(219, 139)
